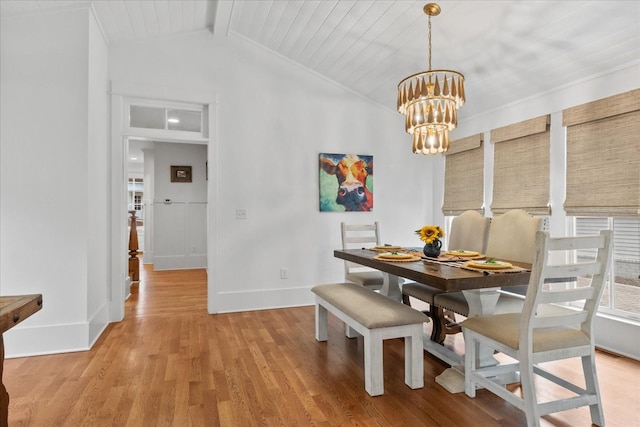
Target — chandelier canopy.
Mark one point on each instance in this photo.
(430, 100)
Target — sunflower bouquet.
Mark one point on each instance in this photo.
(430, 233)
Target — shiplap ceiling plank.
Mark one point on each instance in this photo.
(260, 14)
(360, 20)
(298, 26)
(271, 22)
(507, 50)
(122, 19)
(109, 24)
(150, 17)
(138, 23)
(241, 17)
(311, 29)
(370, 48)
(282, 27)
(163, 16)
(329, 26)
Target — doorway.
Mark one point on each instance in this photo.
(123, 96)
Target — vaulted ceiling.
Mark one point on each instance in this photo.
(507, 50)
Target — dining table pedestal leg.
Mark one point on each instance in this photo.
(391, 287)
(482, 302)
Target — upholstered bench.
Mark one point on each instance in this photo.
(376, 318)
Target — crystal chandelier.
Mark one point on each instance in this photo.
(430, 100)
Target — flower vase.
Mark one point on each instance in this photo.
(432, 250)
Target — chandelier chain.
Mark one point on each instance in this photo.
(429, 42)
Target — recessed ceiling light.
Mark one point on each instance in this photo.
(173, 120)
(133, 158)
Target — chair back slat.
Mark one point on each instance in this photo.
(572, 270)
(363, 239)
(570, 319)
(570, 243)
(568, 295)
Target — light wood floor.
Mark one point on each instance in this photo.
(169, 363)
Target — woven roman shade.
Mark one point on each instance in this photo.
(603, 157)
(464, 176)
(521, 167)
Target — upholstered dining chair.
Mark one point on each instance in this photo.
(512, 237)
(468, 231)
(355, 236)
(534, 336)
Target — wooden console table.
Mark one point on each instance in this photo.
(13, 310)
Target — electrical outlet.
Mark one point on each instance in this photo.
(241, 214)
(284, 273)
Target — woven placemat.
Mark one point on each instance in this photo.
(443, 257)
(412, 259)
(512, 269)
(389, 248)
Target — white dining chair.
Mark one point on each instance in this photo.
(512, 237)
(356, 236)
(535, 336)
(468, 231)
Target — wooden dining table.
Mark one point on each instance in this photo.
(13, 310)
(479, 288)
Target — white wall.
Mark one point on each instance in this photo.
(52, 161)
(274, 118)
(180, 226)
(98, 190)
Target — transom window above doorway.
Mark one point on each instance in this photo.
(165, 118)
(155, 118)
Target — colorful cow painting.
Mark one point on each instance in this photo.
(346, 182)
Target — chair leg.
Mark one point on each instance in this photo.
(591, 382)
(529, 392)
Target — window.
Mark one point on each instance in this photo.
(521, 167)
(155, 119)
(464, 176)
(623, 298)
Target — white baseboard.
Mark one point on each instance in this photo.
(179, 262)
(228, 302)
(47, 339)
(618, 335)
(97, 324)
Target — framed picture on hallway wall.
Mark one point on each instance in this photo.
(346, 182)
(180, 173)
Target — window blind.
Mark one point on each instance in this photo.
(464, 176)
(521, 167)
(603, 157)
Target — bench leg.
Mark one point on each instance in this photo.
(373, 368)
(349, 332)
(414, 359)
(321, 323)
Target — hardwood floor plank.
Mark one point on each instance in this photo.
(170, 363)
